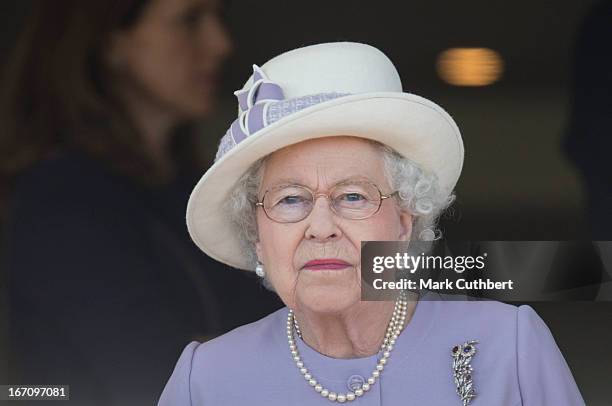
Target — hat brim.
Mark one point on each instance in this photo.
(415, 127)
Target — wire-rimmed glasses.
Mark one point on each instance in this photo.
(353, 200)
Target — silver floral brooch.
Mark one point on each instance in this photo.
(462, 370)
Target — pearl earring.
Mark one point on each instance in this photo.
(259, 270)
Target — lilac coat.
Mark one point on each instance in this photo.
(517, 363)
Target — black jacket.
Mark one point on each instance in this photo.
(105, 285)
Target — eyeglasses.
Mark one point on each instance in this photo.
(353, 200)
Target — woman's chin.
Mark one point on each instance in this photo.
(329, 299)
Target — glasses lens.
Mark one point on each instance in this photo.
(356, 200)
(288, 203)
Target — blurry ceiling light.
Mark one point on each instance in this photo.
(470, 66)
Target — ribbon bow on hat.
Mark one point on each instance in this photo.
(252, 103)
(262, 104)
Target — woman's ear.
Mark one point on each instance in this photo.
(405, 226)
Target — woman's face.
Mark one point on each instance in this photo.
(172, 55)
(284, 249)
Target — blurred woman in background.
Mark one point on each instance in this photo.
(99, 102)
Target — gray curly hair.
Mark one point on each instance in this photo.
(418, 192)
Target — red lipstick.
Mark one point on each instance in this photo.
(326, 264)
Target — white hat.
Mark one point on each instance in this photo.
(322, 90)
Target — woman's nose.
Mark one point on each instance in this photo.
(322, 222)
(216, 38)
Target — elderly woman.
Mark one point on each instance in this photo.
(327, 152)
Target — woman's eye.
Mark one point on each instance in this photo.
(288, 200)
(352, 197)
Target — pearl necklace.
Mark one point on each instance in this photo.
(396, 324)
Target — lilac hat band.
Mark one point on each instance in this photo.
(263, 104)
